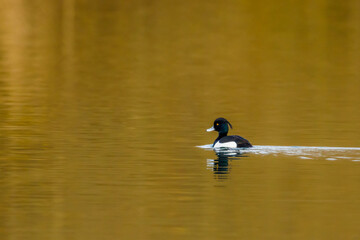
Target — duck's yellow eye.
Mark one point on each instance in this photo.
(217, 124)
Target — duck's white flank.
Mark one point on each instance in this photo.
(225, 145)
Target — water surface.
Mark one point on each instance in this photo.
(103, 102)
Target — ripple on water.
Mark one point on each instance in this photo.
(303, 152)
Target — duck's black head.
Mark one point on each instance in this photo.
(221, 125)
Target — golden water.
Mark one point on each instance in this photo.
(103, 102)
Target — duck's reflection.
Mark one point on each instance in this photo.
(222, 165)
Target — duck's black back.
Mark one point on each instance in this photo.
(240, 141)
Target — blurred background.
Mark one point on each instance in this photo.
(103, 102)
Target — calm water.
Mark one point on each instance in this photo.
(102, 105)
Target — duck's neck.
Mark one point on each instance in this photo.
(221, 135)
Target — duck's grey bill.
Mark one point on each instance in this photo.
(210, 129)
